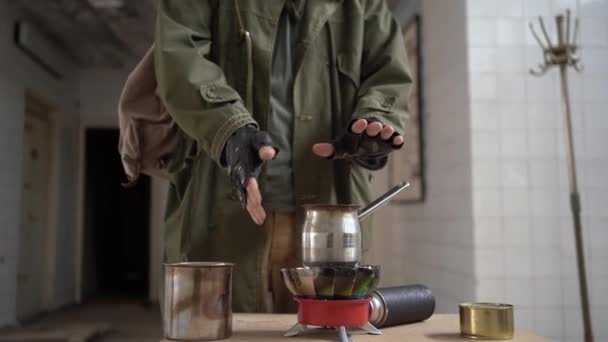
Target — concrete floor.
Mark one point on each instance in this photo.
(116, 320)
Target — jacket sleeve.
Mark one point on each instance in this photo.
(192, 87)
(385, 80)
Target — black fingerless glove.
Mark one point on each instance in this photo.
(369, 152)
(242, 158)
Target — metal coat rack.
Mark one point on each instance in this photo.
(564, 55)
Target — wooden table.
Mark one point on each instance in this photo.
(262, 327)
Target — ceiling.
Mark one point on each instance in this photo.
(95, 33)
(98, 33)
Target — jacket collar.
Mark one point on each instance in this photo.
(316, 14)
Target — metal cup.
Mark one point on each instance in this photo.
(331, 234)
(198, 301)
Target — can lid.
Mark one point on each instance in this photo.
(490, 306)
(201, 264)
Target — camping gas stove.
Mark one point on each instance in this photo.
(335, 297)
(337, 314)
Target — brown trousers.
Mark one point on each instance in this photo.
(282, 252)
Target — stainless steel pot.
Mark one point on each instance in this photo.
(198, 301)
(331, 235)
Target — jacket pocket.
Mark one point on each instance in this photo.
(214, 93)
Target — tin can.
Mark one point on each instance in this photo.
(490, 321)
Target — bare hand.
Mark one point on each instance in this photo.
(254, 197)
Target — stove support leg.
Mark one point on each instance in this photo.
(295, 330)
(343, 336)
(370, 329)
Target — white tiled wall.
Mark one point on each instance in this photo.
(496, 224)
(18, 73)
(10, 178)
(524, 242)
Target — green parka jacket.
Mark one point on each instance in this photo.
(351, 64)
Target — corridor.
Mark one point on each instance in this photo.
(97, 321)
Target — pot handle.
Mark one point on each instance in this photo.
(380, 201)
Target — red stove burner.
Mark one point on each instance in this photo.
(335, 313)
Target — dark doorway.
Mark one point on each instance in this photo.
(116, 221)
